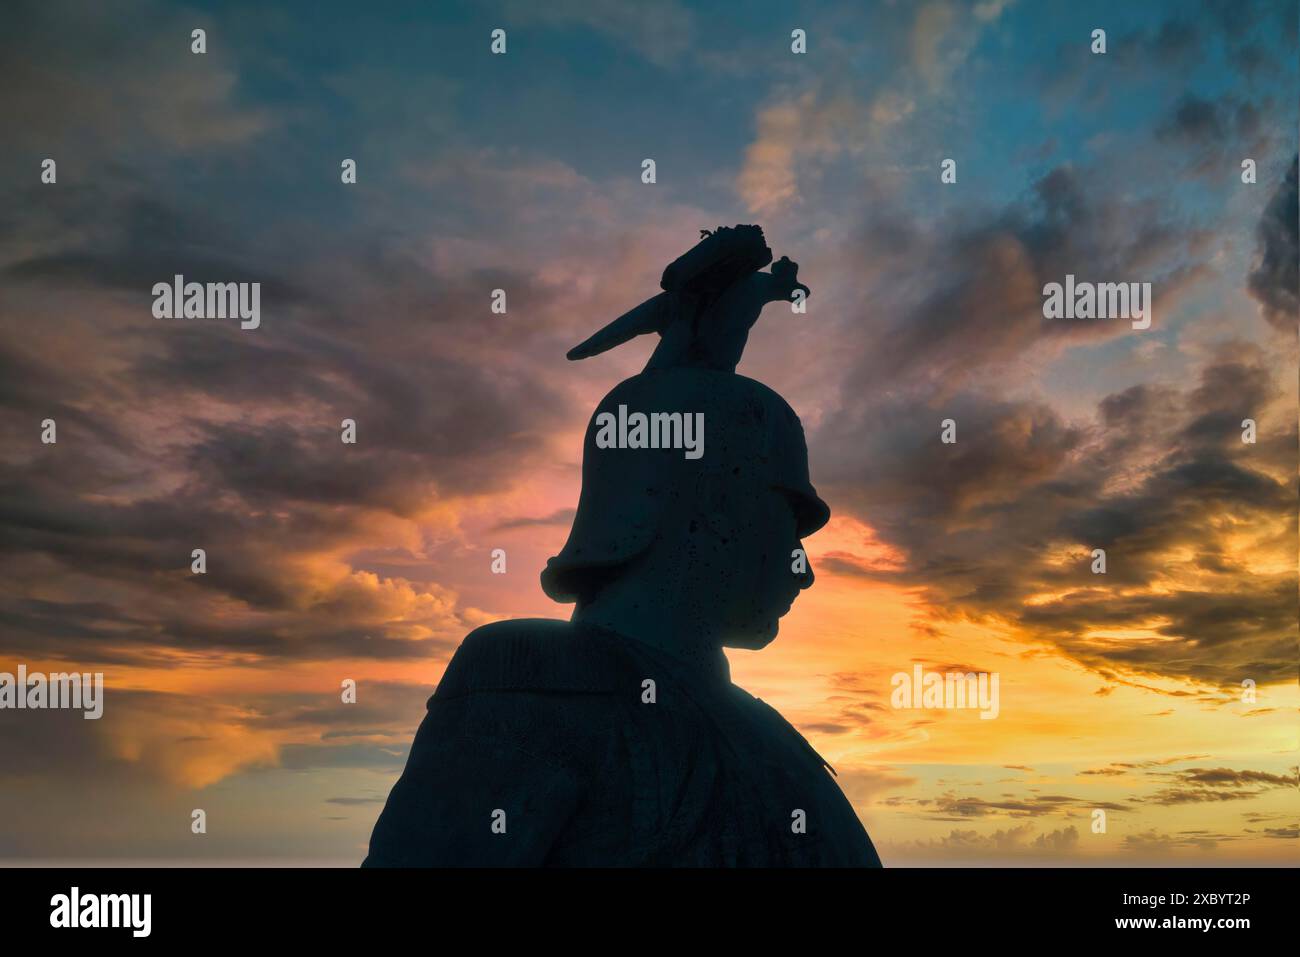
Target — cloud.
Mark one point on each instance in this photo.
(805, 125)
(991, 9)
(1152, 840)
(953, 807)
(792, 134)
(932, 31)
(562, 517)
(241, 433)
(1024, 840)
(661, 33)
(184, 742)
(953, 302)
(1004, 525)
(1274, 281)
(1001, 524)
(1208, 135)
(1199, 785)
(96, 88)
(1202, 121)
(167, 739)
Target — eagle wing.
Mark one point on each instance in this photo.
(650, 316)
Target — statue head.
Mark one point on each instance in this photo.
(702, 502)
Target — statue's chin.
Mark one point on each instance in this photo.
(753, 640)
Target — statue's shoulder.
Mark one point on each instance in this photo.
(778, 727)
(534, 654)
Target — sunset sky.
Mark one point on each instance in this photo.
(1120, 692)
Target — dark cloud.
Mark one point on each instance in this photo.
(1281, 833)
(118, 81)
(1012, 511)
(1200, 785)
(828, 727)
(1157, 48)
(965, 298)
(1274, 281)
(1208, 136)
(1151, 840)
(952, 807)
(175, 435)
(1124, 767)
(562, 517)
(125, 240)
(1203, 121)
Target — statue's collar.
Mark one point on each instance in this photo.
(705, 669)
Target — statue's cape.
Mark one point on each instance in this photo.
(547, 724)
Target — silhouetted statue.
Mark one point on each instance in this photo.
(617, 738)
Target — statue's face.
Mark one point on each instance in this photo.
(752, 562)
